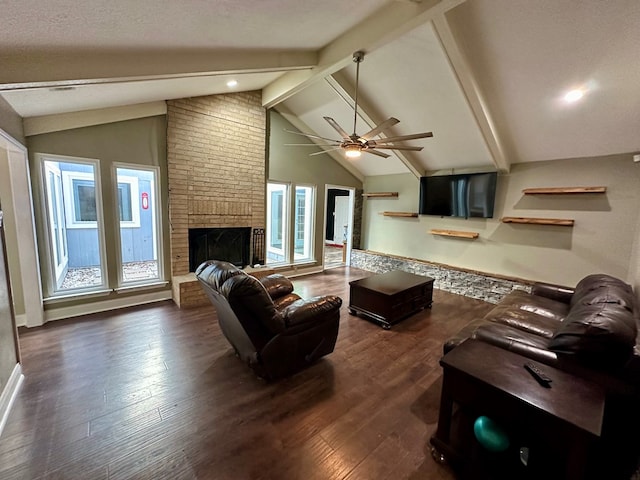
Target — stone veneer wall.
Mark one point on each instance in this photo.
(470, 284)
(216, 150)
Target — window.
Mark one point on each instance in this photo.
(277, 195)
(73, 211)
(74, 225)
(139, 225)
(84, 201)
(303, 223)
(281, 238)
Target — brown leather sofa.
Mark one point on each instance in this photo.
(593, 331)
(271, 328)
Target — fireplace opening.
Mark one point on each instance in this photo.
(227, 244)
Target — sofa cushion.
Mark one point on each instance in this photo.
(523, 320)
(542, 306)
(600, 285)
(604, 331)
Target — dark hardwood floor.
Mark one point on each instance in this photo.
(155, 392)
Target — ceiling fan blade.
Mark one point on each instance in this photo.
(401, 138)
(379, 154)
(388, 123)
(338, 128)
(383, 147)
(324, 151)
(312, 144)
(313, 136)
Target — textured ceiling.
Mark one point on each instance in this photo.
(486, 76)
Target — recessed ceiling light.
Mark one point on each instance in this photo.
(232, 83)
(573, 95)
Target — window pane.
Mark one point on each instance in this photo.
(85, 201)
(277, 195)
(124, 201)
(303, 226)
(74, 230)
(139, 229)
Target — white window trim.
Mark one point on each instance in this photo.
(70, 205)
(58, 268)
(309, 223)
(285, 215)
(156, 225)
(49, 284)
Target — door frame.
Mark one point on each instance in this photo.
(352, 203)
(19, 217)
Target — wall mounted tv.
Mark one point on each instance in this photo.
(461, 195)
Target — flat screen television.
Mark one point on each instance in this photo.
(462, 195)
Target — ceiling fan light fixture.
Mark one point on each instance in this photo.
(353, 151)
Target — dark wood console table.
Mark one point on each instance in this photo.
(389, 297)
(563, 421)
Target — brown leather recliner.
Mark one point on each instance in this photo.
(271, 328)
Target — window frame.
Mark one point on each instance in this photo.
(309, 221)
(154, 197)
(283, 251)
(290, 219)
(51, 285)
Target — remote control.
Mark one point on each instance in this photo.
(540, 377)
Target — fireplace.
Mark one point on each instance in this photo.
(228, 244)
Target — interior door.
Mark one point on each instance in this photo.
(340, 219)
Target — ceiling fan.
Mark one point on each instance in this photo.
(354, 144)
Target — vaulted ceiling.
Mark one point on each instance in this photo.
(487, 77)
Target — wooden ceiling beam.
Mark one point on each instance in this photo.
(472, 92)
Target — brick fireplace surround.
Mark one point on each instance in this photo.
(216, 148)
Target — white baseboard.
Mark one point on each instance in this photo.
(21, 320)
(9, 394)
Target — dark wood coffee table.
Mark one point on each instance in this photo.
(389, 297)
(564, 421)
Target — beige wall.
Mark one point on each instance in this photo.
(141, 141)
(602, 239)
(8, 354)
(11, 122)
(293, 164)
(634, 261)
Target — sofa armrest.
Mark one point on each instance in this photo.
(558, 293)
(277, 285)
(311, 310)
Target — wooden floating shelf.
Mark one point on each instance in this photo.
(455, 233)
(563, 190)
(380, 194)
(560, 222)
(400, 214)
